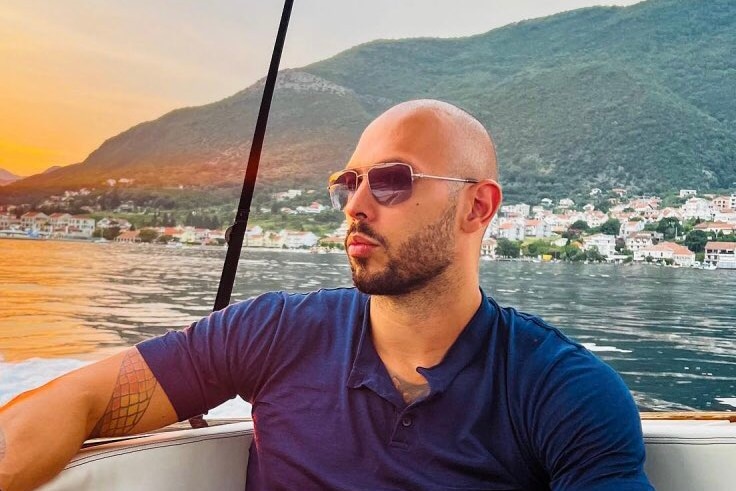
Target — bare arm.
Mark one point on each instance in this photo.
(41, 430)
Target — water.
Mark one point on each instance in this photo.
(671, 333)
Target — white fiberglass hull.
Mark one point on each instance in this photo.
(682, 455)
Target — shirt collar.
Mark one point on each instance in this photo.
(368, 369)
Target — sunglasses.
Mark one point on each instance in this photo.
(389, 183)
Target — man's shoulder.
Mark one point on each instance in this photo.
(532, 341)
(325, 302)
(524, 326)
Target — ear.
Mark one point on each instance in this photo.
(487, 196)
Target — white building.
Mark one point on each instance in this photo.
(537, 228)
(488, 248)
(59, 221)
(298, 240)
(511, 231)
(684, 193)
(606, 244)
(716, 227)
(698, 208)
(522, 209)
(719, 252)
(34, 220)
(80, 226)
(631, 227)
(680, 255)
(638, 241)
(566, 203)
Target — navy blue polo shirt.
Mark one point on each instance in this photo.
(514, 404)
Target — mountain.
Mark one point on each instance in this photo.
(7, 177)
(52, 169)
(640, 97)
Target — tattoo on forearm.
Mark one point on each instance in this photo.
(410, 391)
(130, 398)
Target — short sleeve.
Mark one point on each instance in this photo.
(590, 434)
(217, 357)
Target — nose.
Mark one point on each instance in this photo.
(361, 204)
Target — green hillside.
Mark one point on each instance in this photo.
(642, 97)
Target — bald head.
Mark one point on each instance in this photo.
(466, 147)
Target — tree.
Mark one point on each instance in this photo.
(593, 255)
(572, 253)
(507, 248)
(611, 227)
(110, 233)
(147, 235)
(580, 225)
(668, 227)
(696, 240)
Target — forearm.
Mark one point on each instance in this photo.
(40, 431)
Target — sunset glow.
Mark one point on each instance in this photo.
(78, 72)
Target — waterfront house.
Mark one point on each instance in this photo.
(333, 241)
(720, 252)
(105, 223)
(59, 221)
(638, 241)
(129, 237)
(679, 255)
(34, 220)
(298, 240)
(8, 221)
(80, 226)
(606, 244)
(488, 248)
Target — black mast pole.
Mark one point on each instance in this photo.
(236, 232)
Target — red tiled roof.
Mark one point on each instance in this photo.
(721, 245)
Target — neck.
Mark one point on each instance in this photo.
(418, 328)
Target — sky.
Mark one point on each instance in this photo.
(77, 72)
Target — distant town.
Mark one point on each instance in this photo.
(692, 230)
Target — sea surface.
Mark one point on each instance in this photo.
(671, 333)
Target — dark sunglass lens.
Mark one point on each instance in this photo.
(391, 184)
(339, 195)
(342, 188)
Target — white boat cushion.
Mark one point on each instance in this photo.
(681, 456)
(690, 455)
(187, 460)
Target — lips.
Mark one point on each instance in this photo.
(360, 245)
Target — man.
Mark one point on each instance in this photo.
(415, 380)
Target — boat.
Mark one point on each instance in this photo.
(685, 451)
(683, 454)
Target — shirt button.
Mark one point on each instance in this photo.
(406, 421)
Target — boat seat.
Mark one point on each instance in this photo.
(186, 460)
(681, 456)
(690, 455)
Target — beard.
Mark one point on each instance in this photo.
(413, 264)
